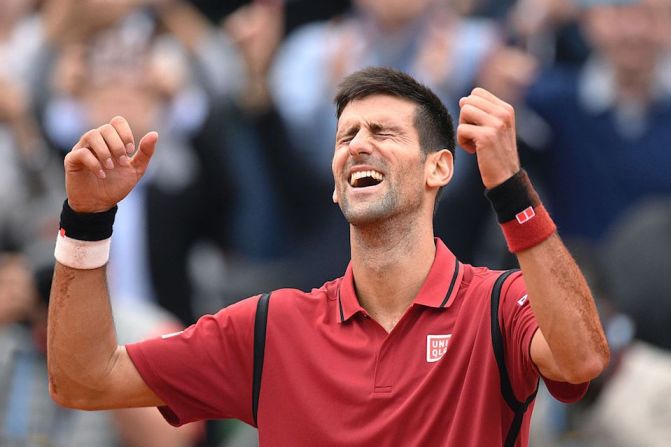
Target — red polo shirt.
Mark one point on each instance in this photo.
(333, 376)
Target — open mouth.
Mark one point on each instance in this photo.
(363, 179)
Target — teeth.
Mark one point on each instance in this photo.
(361, 174)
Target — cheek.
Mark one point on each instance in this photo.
(338, 162)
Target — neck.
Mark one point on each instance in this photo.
(390, 262)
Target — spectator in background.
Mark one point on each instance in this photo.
(245, 145)
(28, 416)
(548, 29)
(30, 179)
(637, 264)
(205, 87)
(608, 121)
(20, 41)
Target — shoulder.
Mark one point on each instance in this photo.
(476, 277)
(297, 311)
(480, 282)
(282, 301)
(287, 300)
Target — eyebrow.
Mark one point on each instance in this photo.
(348, 131)
(374, 126)
(378, 126)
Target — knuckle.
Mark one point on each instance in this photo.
(508, 114)
(92, 137)
(89, 134)
(105, 128)
(118, 120)
(489, 134)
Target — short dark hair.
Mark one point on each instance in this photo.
(432, 120)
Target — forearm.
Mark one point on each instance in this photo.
(570, 345)
(81, 336)
(566, 313)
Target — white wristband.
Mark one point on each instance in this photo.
(82, 255)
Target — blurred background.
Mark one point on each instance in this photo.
(237, 199)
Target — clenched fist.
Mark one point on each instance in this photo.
(487, 128)
(103, 167)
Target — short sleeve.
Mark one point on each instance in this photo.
(205, 371)
(519, 327)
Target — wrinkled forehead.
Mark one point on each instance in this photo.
(381, 109)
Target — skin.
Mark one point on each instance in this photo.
(632, 39)
(392, 247)
(570, 345)
(391, 241)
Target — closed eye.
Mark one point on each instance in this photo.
(384, 135)
(343, 141)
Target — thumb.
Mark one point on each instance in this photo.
(145, 151)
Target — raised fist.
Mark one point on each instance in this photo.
(487, 128)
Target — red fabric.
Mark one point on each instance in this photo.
(521, 326)
(333, 376)
(521, 236)
(204, 372)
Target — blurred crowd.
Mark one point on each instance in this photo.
(237, 198)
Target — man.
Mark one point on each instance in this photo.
(399, 350)
(607, 121)
(418, 37)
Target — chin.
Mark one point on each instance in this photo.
(363, 220)
(367, 214)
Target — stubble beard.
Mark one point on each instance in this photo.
(383, 210)
(370, 211)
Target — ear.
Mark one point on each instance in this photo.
(439, 168)
(335, 195)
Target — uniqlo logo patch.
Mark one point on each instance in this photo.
(525, 215)
(436, 347)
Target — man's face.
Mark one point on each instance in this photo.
(629, 36)
(378, 166)
(394, 13)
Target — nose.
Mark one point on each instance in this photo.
(360, 144)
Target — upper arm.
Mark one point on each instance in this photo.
(124, 387)
(527, 342)
(529, 353)
(127, 387)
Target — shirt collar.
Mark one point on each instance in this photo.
(438, 291)
(597, 88)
